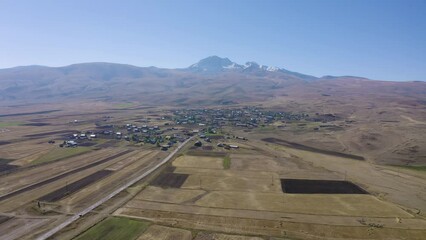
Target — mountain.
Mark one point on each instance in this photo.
(210, 81)
(216, 65)
(213, 64)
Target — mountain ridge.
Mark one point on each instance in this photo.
(216, 65)
(212, 80)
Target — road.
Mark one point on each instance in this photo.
(109, 196)
(62, 175)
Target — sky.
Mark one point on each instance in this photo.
(378, 39)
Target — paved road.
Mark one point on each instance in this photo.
(109, 196)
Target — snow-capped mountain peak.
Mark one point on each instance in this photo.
(215, 65)
(273, 69)
(251, 65)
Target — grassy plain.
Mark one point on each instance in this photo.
(60, 153)
(226, 162)
(114, 228)
(9, 124)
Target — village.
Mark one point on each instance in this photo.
(171, 164)
(179, 125)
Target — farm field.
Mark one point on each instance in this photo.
(115, 228)
(160, 232)
(254, 183)
(267, 187)
(41, 183)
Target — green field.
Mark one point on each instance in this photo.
(60, 153)
(417, 168)
(9, 124)
(114, 228)
(226, 162)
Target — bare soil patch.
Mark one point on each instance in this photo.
(5, 142)
(311, 149)
(4, 219)
(110, 143)
(174, 180)
(75, 186)
(209, 154)
(51, 133)
(29, 113)
(37, 124)
(7, 167)
(305, 186)
(87, 144)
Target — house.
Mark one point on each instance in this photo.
(71, 143)
(118, 135)
(165, 147)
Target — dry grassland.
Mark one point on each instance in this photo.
(317, 204)
(198, 162)
(156, 232)
(169, 195)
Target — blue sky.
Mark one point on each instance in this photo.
(379, 39)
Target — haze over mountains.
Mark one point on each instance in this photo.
(212, 80)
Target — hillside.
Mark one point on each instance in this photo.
(212, 80)
(110, 81)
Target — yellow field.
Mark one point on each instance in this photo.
(199, 162)
(234, 182)
(169, 195)
(321, 204)
(248, 199)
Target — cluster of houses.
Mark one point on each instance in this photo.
(248, 117)
(129, 132)
(180, 124)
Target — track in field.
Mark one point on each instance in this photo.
(75, 186)
(50, 180)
